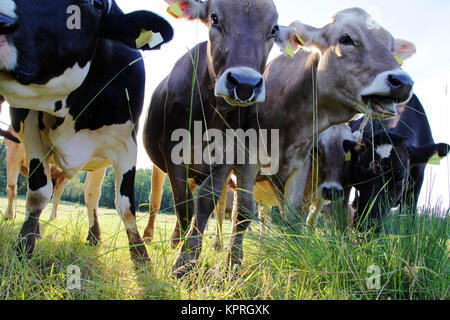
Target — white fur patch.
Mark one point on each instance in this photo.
(8, 8)
(384, 151)
(43, 97)
(8, 55)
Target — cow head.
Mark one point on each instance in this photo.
(331, 159)
(379, 169)
(358, 65)
(241, 35)
(40, 40)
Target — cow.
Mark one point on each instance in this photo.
(347, 67)
(326, 178)
(75, 80)
(393, 156)
(16, 163)
(214, 84)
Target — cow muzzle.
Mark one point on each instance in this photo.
(332, 192)
(7, 24)
(241, 87)
(388, 90)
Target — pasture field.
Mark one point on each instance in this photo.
(409, 260)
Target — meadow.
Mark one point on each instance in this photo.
(407, 260)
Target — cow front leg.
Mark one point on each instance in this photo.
(219, 213)
(155, 197)
(208, 196)
(246, 176)
(59, 188)
(183, 202)
(92, 193)
(39, 186)
(15, 155)
(125, 170)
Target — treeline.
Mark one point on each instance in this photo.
(73, 191)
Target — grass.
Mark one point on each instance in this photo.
(292, 263)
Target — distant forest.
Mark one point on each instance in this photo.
(74, 189)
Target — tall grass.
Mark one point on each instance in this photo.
(293, 262)
(337, 263)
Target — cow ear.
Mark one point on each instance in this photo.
(404, 49)
(349, 149)
(139, 29)
(423, 154)
(310, 36)
(188, 9)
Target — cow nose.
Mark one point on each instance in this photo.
(241, 86)
(332, 193)
(400, 85)
(245, 87)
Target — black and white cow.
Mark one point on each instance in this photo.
(71, 72)
(390, 162)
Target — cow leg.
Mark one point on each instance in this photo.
(246, 176)
(219, 213)
(411, 195)
(59, 188)
(92, 193)
(125, 171)
(183, 201)
(264, 219)
(156, 193)
(15, 155)
(314, 211)
(39, 185)
(208, 196)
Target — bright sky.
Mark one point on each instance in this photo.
(425, 23)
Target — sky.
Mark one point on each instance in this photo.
(425, 23)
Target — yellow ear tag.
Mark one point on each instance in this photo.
(399, 60)
(144, 38)
(289, 50)
(435, 159)
(175, 10)
(348, 157)
(300, 40)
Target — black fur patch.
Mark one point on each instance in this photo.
(17, 116)
(59, 121)
(58, 105)
(127, 187)
(41, 120)
(37, 178)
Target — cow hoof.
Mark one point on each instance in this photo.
(93, 240)
(25, 246)
(139, 255)
(180, 271)
(148, 237)
(175, 243)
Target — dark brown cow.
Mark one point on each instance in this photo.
(347, 67)
(227, 73)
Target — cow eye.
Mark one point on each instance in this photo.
(346, 40)
(274, 31)
(215, 20)
(98, 4)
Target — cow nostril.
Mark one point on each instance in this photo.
(397, 81)
(232, 80)
(394, 82)
(244, 87)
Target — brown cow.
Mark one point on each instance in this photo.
(346, 67)
(227, 73)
